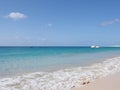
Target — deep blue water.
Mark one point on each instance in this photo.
(17, 60)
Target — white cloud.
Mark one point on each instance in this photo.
(105, 23)
(16, 15)
(50, 25)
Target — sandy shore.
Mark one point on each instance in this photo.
(111, 82)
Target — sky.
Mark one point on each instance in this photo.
(59, 22)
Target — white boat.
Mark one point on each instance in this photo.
(94, 46)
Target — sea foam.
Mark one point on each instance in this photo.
(62, 79)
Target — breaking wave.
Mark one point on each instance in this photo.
(61, 79)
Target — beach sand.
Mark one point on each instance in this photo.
(111, 82)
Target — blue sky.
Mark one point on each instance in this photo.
(59, 22)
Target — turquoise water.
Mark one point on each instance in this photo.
(18, 60)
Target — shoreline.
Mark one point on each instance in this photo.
(62, 79)
(58, 68)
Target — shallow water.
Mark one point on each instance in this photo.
(62, 79)
(19, 60)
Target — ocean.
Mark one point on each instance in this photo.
(18, 60)
(42, 67)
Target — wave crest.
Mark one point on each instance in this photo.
(62, 79)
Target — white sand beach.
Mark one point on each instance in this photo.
(111, 82)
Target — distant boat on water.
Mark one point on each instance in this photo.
(95, 46)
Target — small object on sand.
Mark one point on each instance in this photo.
(73, 86)
(88, 82)
(84, 83)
